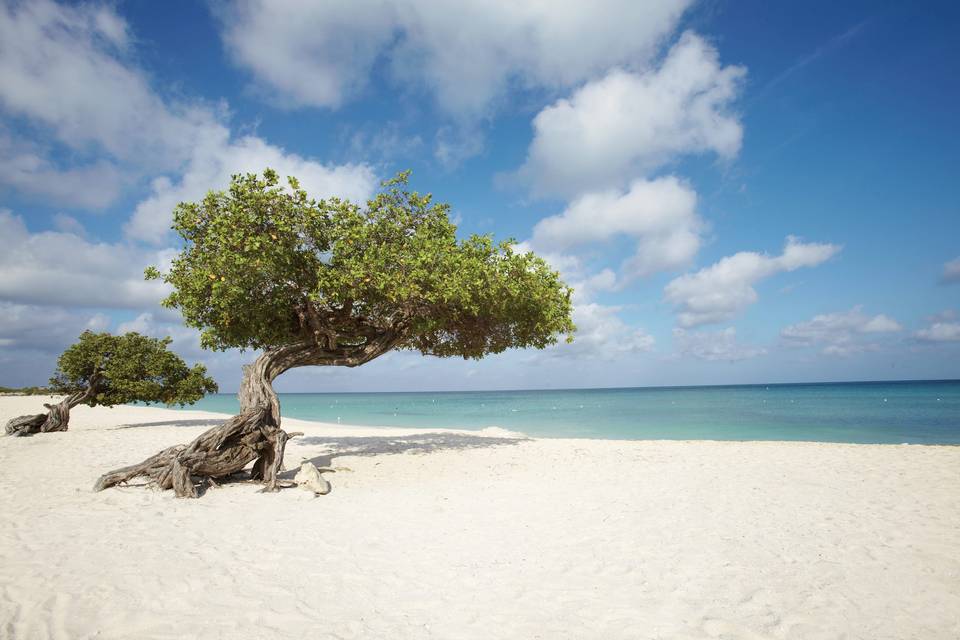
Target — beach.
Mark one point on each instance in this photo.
(467, 534)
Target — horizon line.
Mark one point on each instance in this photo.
(626, 388)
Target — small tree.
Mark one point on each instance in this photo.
(103, 369)
(333, 283)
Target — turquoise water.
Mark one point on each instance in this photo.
(914, 412)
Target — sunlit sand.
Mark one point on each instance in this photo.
(446, 534)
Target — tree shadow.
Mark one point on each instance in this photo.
(200, 422)
(417, 444)
(340, 446)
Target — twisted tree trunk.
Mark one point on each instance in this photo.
(57, 417)
(252, 436)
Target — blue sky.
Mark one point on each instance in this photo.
(738, 191)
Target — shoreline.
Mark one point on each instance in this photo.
(441, 533)
(489, 431)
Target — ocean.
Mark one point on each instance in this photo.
(926, 412)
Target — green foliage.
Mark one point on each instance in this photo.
(128, 368)
(265, 265)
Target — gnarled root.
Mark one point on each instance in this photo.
(25, 425)
(218, 452)
(57, 419)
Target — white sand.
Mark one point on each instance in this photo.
(447, 535)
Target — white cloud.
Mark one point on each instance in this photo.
(69, 71)
(602, 334)
(939, 331)
(67, 68)
(719, 345)
(186, 340)
(45, 329)
(628, 123)
(69, 224)
(716, 293)
(951, 271)
(24, 167)
(31, 338)
(840, 333)
(659, 214)
(62, 268)
(467, 54)
(304, 53)
(216, 159)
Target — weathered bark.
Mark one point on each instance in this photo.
(25, 425)
(57, 417)
(252, 436)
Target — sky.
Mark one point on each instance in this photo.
(738, 192)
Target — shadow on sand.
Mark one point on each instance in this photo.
(205, 422)
(417, 444)
(340, 446)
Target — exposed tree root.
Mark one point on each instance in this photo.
(254, 435)
(217, 453)
(56, 419)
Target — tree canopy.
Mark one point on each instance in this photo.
(264, 265)
(331, 282)
(110, 370)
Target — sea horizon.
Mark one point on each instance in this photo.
(665, 386)
(867, 412)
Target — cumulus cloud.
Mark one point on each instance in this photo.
(716, 293)
(719, 345)
(659, 214)
(943, 328)
(630, 123)
(466, 54)
(46, 329)
(951, 271)
(69, 69)
(31, 338)
(70, 72)
(26, 168)
(841, 333)
(186, 340)
(62, 268)
(602, 334)
(215, 159)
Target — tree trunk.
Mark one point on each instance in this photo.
(252, 436)
(57, 417)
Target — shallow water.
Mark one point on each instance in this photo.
(875, 412)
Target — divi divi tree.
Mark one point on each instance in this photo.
(335, 283)
(104, 369)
